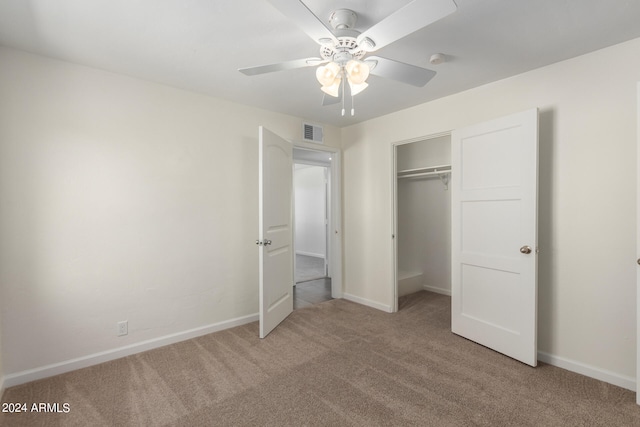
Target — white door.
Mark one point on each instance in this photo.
(494, 234)
(275, 228)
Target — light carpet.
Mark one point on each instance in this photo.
(336, 364)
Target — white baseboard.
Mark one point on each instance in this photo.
(117, 353)
(590, 371)
(18, 378)
(310, 254)
(437, 290)
(409, 283)
(367, 302)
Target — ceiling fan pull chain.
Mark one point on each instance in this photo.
(353, 106)
(343, 97)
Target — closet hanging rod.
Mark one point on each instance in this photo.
(444, 168)
(415, 175)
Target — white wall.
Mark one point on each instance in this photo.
(424, 215)
(121, 200)
(310, 210)
(587, 199)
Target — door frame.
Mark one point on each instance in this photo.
(394, 207)
(334, 248)
(638, 245)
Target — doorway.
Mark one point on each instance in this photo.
(422, 216)
(276, 230)
(313, 222)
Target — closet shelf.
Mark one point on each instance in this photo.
(432, 170)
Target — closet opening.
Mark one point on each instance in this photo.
(312, 225)
(422, 216)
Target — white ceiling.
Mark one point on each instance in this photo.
(198, 45)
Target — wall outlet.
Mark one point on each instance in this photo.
(123, 328)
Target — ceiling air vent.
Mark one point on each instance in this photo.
(312, 133)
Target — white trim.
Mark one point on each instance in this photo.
(315, 147)
(368, 303)
(590, 371)
(638, 239)
(311, 163)
(311, 254)
(409, 283)
(395, 274)
(437, 290)
(106, 356)
(423, 138)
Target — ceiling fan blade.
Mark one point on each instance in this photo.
(302, 16)
(399, 71)
(330, 100)
(281, 66)
(404, 21)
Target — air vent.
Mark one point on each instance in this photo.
(312, 133)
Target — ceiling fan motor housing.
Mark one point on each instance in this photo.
(342, 21)
(346, 49)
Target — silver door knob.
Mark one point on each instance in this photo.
(267, 242)
(525, 250)
(638, 261)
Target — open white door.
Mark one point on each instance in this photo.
(494, 202)
(275, 228)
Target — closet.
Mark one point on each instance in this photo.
(423, 216)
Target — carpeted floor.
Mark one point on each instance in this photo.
(337, 364)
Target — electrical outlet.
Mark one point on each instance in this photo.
(123, 328)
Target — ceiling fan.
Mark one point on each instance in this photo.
(343, 51)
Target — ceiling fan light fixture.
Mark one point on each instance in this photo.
(357, 71)
(327, 74)
(333, 89)
(344, 49)
(356, 88)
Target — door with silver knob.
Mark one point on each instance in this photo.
(275, 229)
(493, 212)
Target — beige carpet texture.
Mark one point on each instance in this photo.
(332, 364)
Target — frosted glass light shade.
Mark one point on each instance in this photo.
(357, 88)
(357, 71)
(326, 74)
(334, 88)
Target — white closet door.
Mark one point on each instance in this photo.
(494, 234)
(275, 228)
